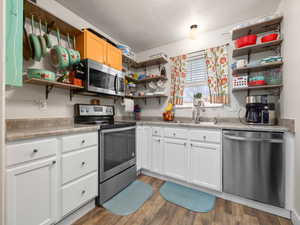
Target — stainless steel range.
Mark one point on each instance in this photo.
(117, 153)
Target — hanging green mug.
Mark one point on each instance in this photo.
(59, 55)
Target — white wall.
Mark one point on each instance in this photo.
(291, 80)
(205, 40)
(22, 102)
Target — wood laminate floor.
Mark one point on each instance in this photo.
(157, 211)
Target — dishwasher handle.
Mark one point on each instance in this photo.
(236, 138)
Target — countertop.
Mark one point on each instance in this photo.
(219, 125)
(28, 133)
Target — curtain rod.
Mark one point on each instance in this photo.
(204, 49)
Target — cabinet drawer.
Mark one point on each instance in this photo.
(23, 152)
(77, 164)
(156, 131)
(79, 192)
(78, 141)
(208, 136)
(176, 133)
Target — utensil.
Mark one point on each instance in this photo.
(35, 43)
(47, 36)
(73, 57)
(77, 52)
(59, 55)
(27, 51)
(42, 40)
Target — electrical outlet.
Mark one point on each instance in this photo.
(42, 104)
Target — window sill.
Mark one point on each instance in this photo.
(191, 106)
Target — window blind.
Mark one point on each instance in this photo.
(196, 69)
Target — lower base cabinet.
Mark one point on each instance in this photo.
(205, 165)
(157, 155)
(175, 158)
(192, 156)
(31, 193)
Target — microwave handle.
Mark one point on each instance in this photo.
(115, 83)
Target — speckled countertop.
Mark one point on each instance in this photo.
(21, 129)
(28, 128)
(207, 124)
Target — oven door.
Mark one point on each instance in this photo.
(117, 151)
(100, 79)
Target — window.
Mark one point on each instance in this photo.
(196, 80)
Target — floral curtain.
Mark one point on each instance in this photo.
(217, 67)
(178, 74)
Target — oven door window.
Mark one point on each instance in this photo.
(102, 80)
(119, 148)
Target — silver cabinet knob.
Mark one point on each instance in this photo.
(158, 140)
(83, 163)
(184, 143)
(35, 150)
(191, 145)
(83, 192)
(53, 162)
(174, 134)
(204, 137)
(83, 141)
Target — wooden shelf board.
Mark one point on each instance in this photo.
(257, 68)
(147, 96)
(256, 48)
(257, 28)
(50, 83)
(146, 79)
(146, 63)
(257, 87)
(31, 8)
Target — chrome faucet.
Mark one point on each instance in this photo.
(197, 111)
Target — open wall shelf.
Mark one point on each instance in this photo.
(257, 28)
(257, 68)
(257, 87)
(257, 48)
(151, 62)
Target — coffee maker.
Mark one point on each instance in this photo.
(260, 110)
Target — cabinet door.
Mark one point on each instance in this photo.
(139, 147)
(175, 158)
(14, 43)
(157, 155)
(114, 57)
(146, 148)
(95, 48)
(205, 165)
(31, 194)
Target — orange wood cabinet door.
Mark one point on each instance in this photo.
(92, 47)
(114, 57)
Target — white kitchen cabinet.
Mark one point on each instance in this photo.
(31, 193)
(139, 147)
(146, 148)
(205, 165)
(157, 154)
(175, 158)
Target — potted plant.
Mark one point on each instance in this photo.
(197, 99)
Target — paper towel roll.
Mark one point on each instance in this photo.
(129, 105)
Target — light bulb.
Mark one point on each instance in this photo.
(194, 32)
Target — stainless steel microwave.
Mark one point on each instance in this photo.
(100, 78)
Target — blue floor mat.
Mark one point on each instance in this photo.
(130, 199)
(188, 198)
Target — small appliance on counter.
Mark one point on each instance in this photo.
(116, 149)
(260, 110)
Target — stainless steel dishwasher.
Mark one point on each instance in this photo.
(253, 166)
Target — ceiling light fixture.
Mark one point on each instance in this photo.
(194, 32)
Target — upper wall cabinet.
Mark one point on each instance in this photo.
(14, 43)
(93, 47)
(114, 57)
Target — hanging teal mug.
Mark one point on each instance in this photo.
(59, 55)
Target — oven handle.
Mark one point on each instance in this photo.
(117, 129)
